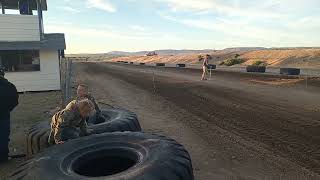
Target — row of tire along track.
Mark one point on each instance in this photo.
(281, 128)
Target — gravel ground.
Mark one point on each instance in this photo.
(235, 126)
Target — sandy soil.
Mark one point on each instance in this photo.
(233, 128)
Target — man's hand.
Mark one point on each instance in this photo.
(90, 131)
(61, 142)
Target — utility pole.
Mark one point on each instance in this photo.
(3, 6)
(40, 18)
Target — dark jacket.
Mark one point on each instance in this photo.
(8, 98)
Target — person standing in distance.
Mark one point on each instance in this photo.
(9, 100)
(205, 65)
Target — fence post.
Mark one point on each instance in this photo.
(306, 81)
(68, 81)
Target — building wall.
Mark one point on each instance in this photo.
(19, 27)
(48, 78)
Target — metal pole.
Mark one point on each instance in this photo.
(154, 83)
(66, 81)
(306, 81)
(2, 7)
(60, 76)
(40, 18)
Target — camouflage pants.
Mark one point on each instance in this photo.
(95, 119)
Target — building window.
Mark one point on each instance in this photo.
(17, 61)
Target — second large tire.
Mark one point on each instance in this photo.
(160, 64)
(111, 156)
(258, 69)
(180, 65)
(212, 66)
(289, 71)
(115, 120)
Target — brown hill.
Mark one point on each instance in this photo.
(304, 58)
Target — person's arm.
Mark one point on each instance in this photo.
(10, 97)
(14, 97)
(62, 123)
(96, 107)
(83, 128)
(58, 134)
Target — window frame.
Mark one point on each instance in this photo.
(20, 57)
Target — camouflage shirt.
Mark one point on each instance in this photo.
(91, 98)
(67, 118)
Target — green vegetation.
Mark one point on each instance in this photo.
(259, 63)
(231, 62)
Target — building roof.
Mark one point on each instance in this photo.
(51, 41)
(13, 4)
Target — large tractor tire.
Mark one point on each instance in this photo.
(257, 69)
(112, 120)
(181, 65)
(212, 66)
(113, 156)
(160, 64)
(289, 71)
(37, 138)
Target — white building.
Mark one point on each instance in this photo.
(31, 58)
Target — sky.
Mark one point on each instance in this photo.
(100, 26)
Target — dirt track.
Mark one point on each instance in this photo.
(233, 127)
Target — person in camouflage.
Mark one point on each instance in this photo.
(83, 92)
(66, 123)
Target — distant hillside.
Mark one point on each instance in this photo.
(240, 49)
(184, 51)
(285, 57)
(94, 57)
(160, 52)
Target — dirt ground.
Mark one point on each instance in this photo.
(234, 126)
(32, 108)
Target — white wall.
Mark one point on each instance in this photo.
(48, 78)
(19, 27)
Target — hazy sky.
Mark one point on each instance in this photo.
(93, 26)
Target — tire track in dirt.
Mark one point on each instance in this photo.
(282, 129)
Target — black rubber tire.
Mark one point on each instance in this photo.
(125, 62)
(160, 64)
(290, 71)
(181, 65)
(258, 69)
(116, 156)
(37, 138)
(131, 62)
(212, 66)
(142, 63)
(117, 120)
